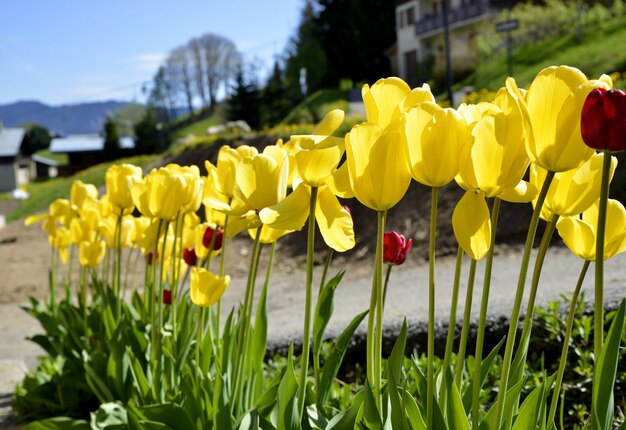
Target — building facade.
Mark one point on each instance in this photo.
(420, 41)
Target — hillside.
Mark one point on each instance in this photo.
(65, 119)
(602, 49)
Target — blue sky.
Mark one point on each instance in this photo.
(70, 51)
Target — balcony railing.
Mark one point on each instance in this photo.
(432, 22)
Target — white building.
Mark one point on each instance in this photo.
(419, 30)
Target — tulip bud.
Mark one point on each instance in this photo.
(167, 297)
(603, 121)
(208, 237)
(395, 248)
(189, 255)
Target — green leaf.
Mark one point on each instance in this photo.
(59, 423)
(484, 372)
(413, 412)
(512, 394)
(288, 415)
(396, 412)
(370, 411)
(109, 416)
(259, 337)
(333, 363)
(324, 310)
(346, 420)
(529, 411)
(396, 359)
(456, 414)
(168, 414)
(605, 372)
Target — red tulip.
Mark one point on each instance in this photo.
(603, 122)
(395, 248)
(189, 255)
(167, 297)
(208, 237)
(347, 209)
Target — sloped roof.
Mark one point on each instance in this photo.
(10, 141)
(85, 143)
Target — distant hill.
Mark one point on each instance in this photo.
(66, 119)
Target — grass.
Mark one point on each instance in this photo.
(43, 193)
(198, 128)
(317, 105)
(602, 50)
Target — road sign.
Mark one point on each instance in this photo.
(509, 25)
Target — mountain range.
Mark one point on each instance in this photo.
(65, 119)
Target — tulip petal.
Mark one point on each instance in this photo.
(290, 213)
(578, 236)
(339, 182)
(472, 225)
(334, 222)
(382, 98)
(523, 192)
(315, 165)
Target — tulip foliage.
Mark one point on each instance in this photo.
(165, 352)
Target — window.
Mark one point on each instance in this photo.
(410, 16)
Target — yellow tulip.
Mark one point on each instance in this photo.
(317, 155)
(472, 224)
(268, 234)
(555, 100)
(228, 159)
(81, 231)
(161, 194)
(436, 143)
(90, 254)
(119, 180)
(205, 287)
(107, 228)
(377, 165)
(574, 191)
(61, 240)
(580, 234)
(382, 99)
(334, 222)
(497, 159)
(261, 181)
(80, 193)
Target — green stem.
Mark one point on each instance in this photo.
(520, 355)
(152, 293)
(467, 314)
(453, 307)
(222, 266)
(430, 379)
(306, 337)
(244, 328)
(482, 319)
(378, 343)
(117, 267)
(387, 275)
(175, 259)
(160, 313)
(519, 294)
(329, 257)
(198, 346)
(68, 278)
(566, 340)
(598, 328)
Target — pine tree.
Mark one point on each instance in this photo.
(276, 102)
(244, 102)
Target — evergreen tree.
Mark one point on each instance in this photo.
(275, 101)
(111, 150)
(245, 101)
(150, 134)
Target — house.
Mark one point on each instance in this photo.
(419, 34)
(84, 150)
(15, 164)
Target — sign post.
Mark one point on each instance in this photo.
(507, 26)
